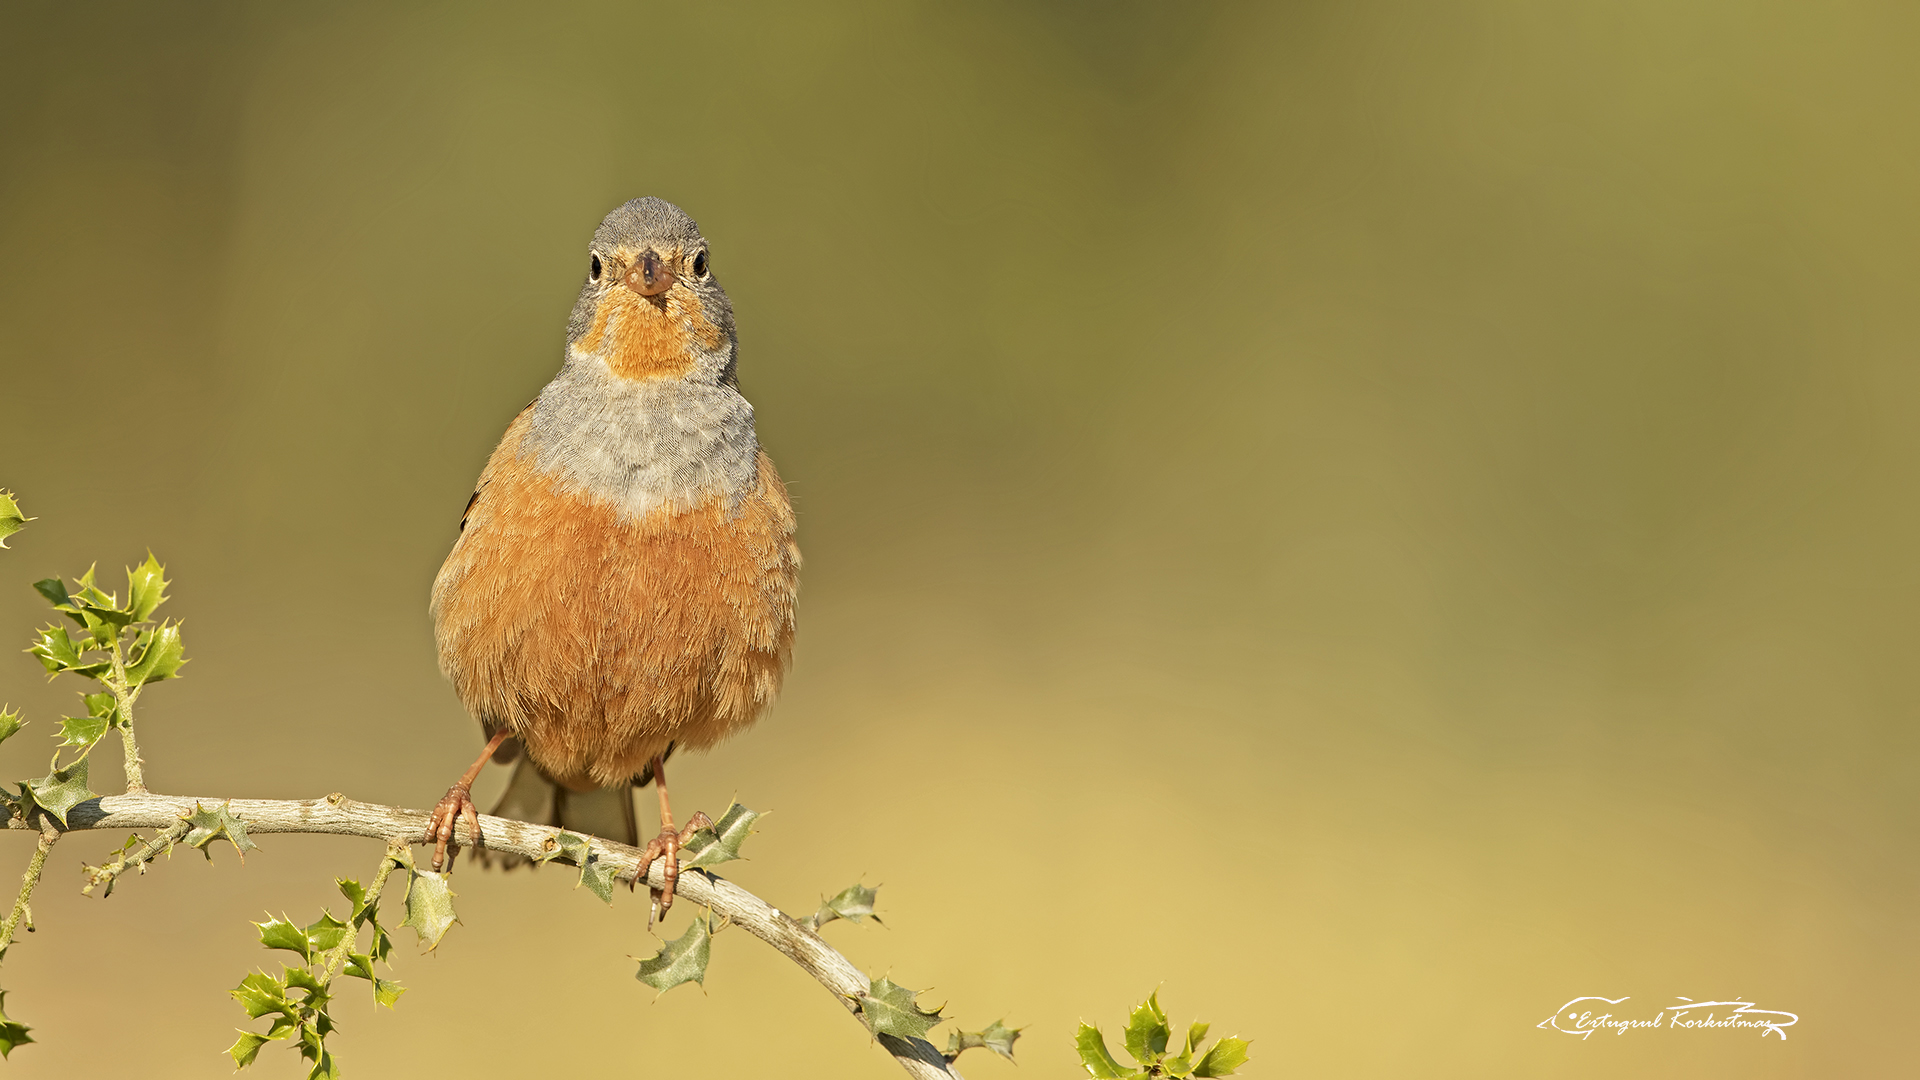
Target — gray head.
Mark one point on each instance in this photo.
(651, 306)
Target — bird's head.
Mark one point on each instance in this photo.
(651, 308)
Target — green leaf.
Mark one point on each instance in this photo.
(386, 992)
(1196, 1034)
(853, 903)
(719, 842)
(1179, 1066)
(595, 873)
(1227, 1055)
(205, 826)
(1094, 1056)
(102, 705)
(161, 658)
(282, 934)
(327, 932)
(246, 1048)
(12, 1032)
(11, 521)
(429, 906)
(889, 1009)
(61, 790)
(82, 730)
(10, 722)
(261, 993)
(682, 960)
(299, 978)
(997, 1037)
(146, 588)
(58, 652)
(356, 895)
(55, 591)
(1147, 1031)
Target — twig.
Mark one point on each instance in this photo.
(340, 816)
(22, 907)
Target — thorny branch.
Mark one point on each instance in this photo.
(338, 815)
(22, 906)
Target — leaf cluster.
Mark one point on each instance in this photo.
(299, 998)
(1147, 1040)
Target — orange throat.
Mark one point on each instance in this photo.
(648, 337)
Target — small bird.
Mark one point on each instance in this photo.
(623, 584)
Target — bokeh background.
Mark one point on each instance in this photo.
(1374, 519)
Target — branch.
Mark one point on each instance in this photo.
(340, 816)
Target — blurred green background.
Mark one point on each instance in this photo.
(1376, 519)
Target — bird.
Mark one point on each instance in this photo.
(624, 578)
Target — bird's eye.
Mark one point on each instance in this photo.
(593, 267)
(700, 265)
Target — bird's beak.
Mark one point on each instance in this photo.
(649, 276)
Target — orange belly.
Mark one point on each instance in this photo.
(598, 641)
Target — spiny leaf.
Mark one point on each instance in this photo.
(160, 658)
(1147, 1031)
(719, 842)
(326, 932)
(261, 993)
(102, 705)
(146, 588)
(82, 730)
(204, 826)
(386, 992)
(997, 1037)
(55, 591)
(58, 652)
(11, 521)
(889, 1009)
(853, 903)
(356, 895)
(429, 905)
(682, 960)
(595, 873)
(10, 722)
(1227, 1055)
(61, 790)
(299, 978)
(12, 1032)
(282, 934)
(1094, 1056)
(246, 1048)
(1196, 1034)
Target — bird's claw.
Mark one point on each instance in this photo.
(667, 846)
(456, 805)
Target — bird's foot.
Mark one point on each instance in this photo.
(455, 805)
(667, 846)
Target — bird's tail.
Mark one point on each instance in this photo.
(530, 796)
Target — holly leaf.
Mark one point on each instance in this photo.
(386, 992)
(56, 593)
(146, 588)
(1094, 1056)
(889, 1009)
(720, 842)
(283, 934)
(1227, 1055)
(299, 978)
(58, 652)
(997, 1037)
(597, 875)
(1147, 1031)
(356, 895)
(682, 960)
(574, 849)
(161, 656)
(1196, 1034)
(246, 1048)
(260, 994)
(12, 1032)
(429, 906)
(853, 903)
(204, 826)
(82, 730)
(11, 521)
(326, 932)
(10, 722)
(61, 790)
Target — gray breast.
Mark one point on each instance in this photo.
(644, 445)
